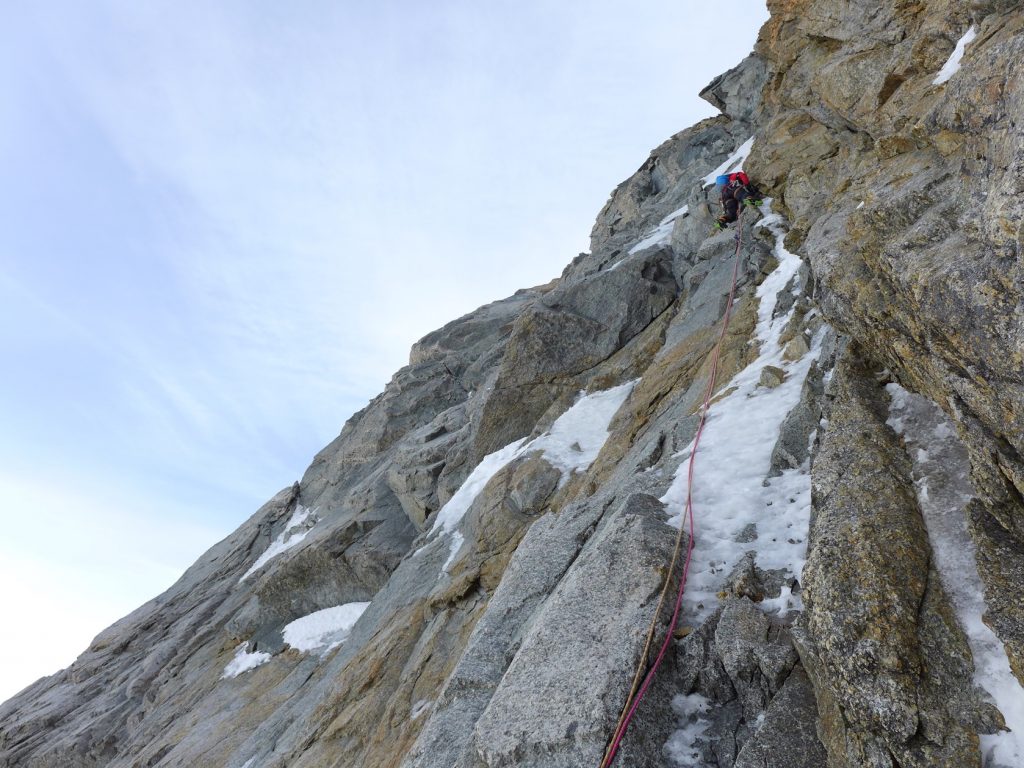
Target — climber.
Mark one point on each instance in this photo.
(737, 190)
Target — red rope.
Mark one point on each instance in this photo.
(687, 514)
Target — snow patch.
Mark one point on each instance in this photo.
(456, 545)
(786, 601)
(571, 444)
(325, 629)
(244, 661)
(942, 479)
(451, 514)
(419, 708)
(579, 434)
(733, 164)
(294, 532)
(683, 746)
(730, 492)
(952, 65)
(661, 234)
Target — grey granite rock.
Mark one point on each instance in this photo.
(575, 327)
(549, 710)
(747, 668)
(737, 92)
(549, 548)
(771, 376)
(793, 447)
(754, 656)
(787, 738)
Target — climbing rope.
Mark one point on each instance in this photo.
(638, 689)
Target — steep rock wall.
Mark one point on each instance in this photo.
(503, 624)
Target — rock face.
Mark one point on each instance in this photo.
(926, 275)
(882, 645)
(512, 538)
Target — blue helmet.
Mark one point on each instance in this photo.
(722, 180)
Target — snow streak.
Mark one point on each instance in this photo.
(244, 661)
(571, 444)
(327, 628)
(733, 163)
(952, 65)
(294, 532)
(661, 234)
(942, 480)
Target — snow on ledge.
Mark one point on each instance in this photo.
(579, 434)
(661, 234)
(294, 532)
(952, 65)
(244, 661)
(325, 629)
(570, 445)
(733, 164)
(452, 513)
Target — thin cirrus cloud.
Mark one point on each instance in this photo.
(223, 224)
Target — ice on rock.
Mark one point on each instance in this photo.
(942, 480)
(952, 65)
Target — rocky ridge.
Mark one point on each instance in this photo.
(507, 634)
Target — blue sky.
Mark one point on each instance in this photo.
(223, 225)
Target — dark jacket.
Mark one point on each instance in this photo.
(734, 193)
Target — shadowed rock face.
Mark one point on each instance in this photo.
(511, 638)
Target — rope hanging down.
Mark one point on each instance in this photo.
(638, 689)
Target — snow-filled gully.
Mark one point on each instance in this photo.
(735, 457)
(750, 512)
(732, 463)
